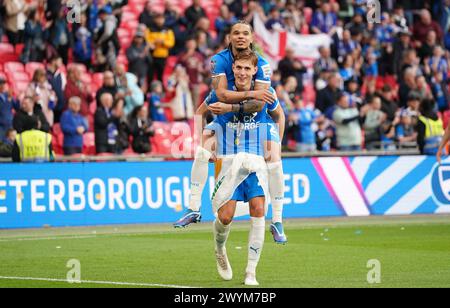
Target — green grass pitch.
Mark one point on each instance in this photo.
(413, 252)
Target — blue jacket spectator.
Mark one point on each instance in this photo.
(324, 21)
(73, 126)
(156, 107)
(58, 82)
(305, 135)
(7, 103)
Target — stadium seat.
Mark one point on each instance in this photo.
(80, 66)
(6, 48)
(131, 25)
(31, 67)
(97, 79)
(89, 143)
(18, 76)
(13, 67)
(19, 87)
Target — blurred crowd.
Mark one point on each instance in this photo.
(376, 87)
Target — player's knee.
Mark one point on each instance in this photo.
(257, 211)
(225, 216)
(225, 219)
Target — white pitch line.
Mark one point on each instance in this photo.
(129, 284)
(46, 238)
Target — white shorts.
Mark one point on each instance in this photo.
(235, 169)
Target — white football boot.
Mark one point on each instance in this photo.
(250, 280)
(223, 266)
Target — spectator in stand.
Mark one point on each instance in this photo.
(408, 85)
(59, 36)
(123, 129)
(425, 25)
(182, 105)
(275, 22)
(224, 22)
(77, 88)
(58, 81)
(324, 134)
(388, 105)
(346, 46)
(163, 39)
(147, 15)
(327, 98)
(141, 129)
(427, 49)
(193, 61)
(34, 38)
(157, 113)
(289, 66)
(430, 129)
(437, 63)
(374, 118)
(349, 68)
(7, 103)
(106, 40)
(109, 86)
(194, 13)
(401, 45)
(324, 65)
(357, 26)
(423, 88)
(82, 50)
(7, 143)
(128, 89)
(440, 92)
(174, 21)
(28, 111)
(43, 94)
(201, 39)
(304, 119)
(348, 129)
(73, 126)
(324, 21)
(106, 125)
(208, 42)
(139, 57)
(404, 131)
(15, 17)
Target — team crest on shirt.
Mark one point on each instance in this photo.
(213, 66)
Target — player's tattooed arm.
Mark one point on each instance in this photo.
(250, 106)
(220, 85)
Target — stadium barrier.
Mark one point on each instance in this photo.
(79, 194)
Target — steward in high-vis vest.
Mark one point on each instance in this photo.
(33, 145)
(430, 129)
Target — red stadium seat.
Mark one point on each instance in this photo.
(89, 143)
(31, 67)
(19, 87)
(80, 66)
(6, 48)
(131, 25)
(14, 67)
(18, 76)
(97, 79)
